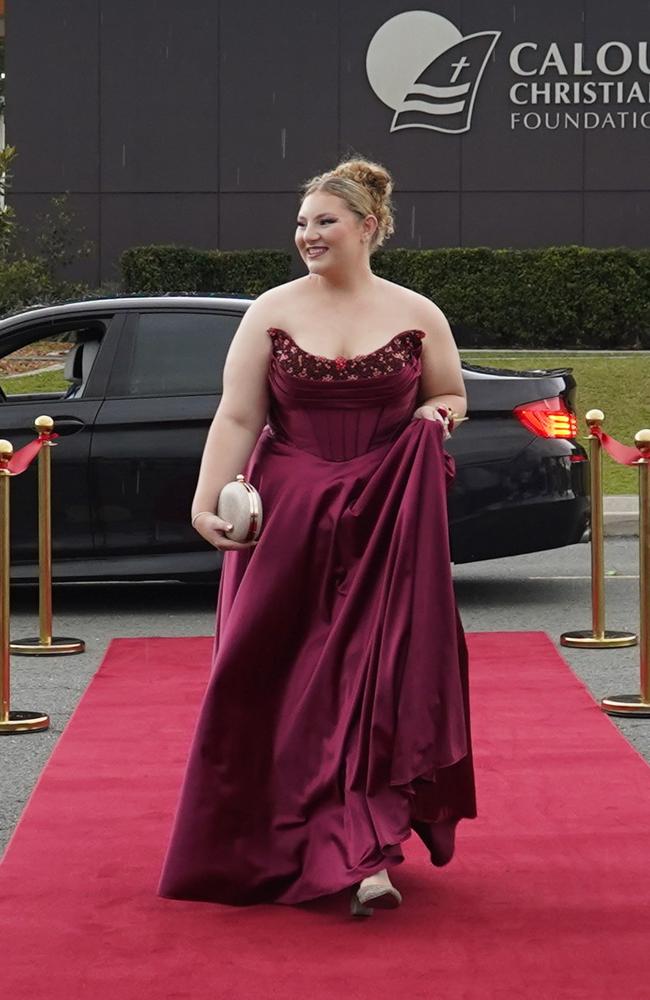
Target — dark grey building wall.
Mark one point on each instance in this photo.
(196, 124)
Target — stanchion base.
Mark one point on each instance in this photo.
(608, 640)
(24, 722)
(626, 704)
(59, 646)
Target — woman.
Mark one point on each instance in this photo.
(336, 719)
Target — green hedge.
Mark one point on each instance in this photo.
(553, 297)
(156, 270)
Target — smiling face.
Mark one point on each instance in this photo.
(329, 235)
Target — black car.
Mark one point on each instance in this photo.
(133, 383)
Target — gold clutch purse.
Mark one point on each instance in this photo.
(240, 504)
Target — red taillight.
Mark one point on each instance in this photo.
(548, 418)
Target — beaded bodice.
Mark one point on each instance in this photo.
(390, 357)
(339, 408)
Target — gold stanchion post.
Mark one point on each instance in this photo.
(639, 704)
(598, 637)
(45, 644)
(10, 722)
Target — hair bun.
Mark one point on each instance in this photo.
(372, 176)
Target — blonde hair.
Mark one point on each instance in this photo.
(366, 189)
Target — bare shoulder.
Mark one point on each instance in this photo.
(426, 315)
(262, 313)
(434, 320)
(280, 294)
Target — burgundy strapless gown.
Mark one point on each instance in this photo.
(336, 718)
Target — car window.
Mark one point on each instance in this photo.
(175, 354)
(53, 361)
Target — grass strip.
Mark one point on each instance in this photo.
(25, 385)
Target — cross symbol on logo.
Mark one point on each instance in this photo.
(459, 66)
(419, 64)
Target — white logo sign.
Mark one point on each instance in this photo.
(419, 64)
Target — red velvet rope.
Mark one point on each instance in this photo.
(24, 457)
(621, 453)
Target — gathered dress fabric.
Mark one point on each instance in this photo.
(336, 716)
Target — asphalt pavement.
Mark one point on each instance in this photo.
(547, 591)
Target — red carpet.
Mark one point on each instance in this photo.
(547, 896)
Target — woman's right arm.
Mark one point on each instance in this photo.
(236, 426)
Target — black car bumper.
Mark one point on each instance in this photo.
(535, 501)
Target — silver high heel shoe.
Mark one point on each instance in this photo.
(375, 892)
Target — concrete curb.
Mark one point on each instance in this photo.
(621, 516)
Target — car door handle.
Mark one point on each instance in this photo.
(68, 425)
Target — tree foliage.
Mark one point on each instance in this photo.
(28, 278)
